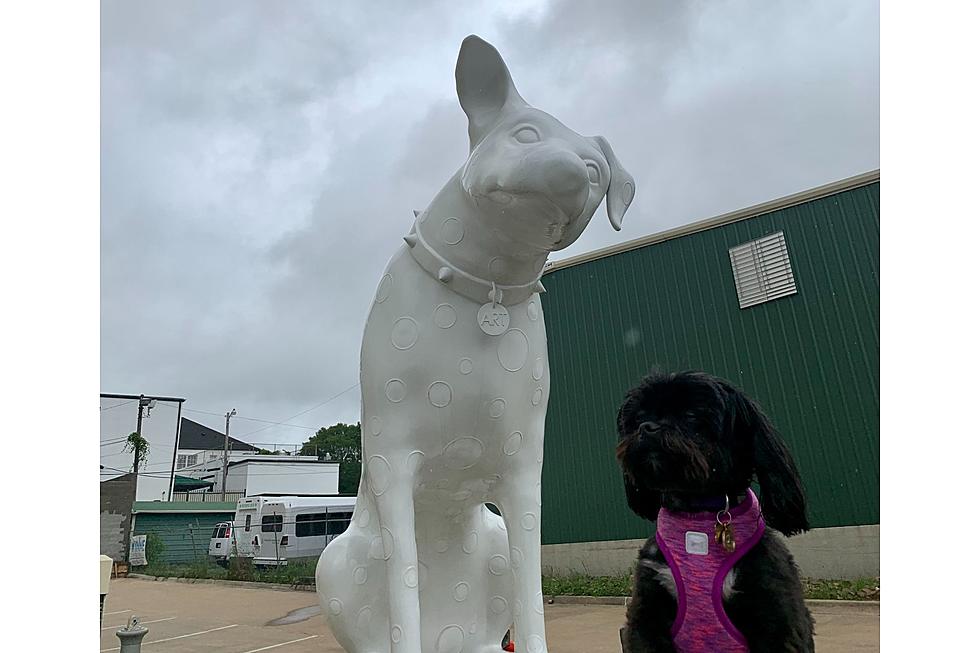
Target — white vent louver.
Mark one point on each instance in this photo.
(762, 270)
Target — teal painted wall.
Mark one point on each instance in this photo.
(185, 536)
(810, 359)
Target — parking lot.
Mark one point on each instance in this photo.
(223, 619)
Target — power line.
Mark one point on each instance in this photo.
(117, 405)
(303, 412)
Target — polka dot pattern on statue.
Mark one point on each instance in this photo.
(396, 634)
(532, 311)
(465, 366)
(440, 394)
(497, 565)
(450, 640)
(360, 575)
(404, 333)
(497, 407)
(470, 541)
(387, 542)
(537, 396)
(529, 521)
(463, 453)
(395, 390)
(336, 606)
(384, 289)
(375, 425)
(451, 231)
(535, 644)
(516, 557)
(498, 604)
(461, 591)
(513, 443)
(537, 371)
(512, 350)
(364, 619)
(411, 577)
(444, 316)
(379, 474)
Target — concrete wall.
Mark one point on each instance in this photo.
(116, 498)
(831, 553)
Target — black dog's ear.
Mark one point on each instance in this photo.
(783, 499)
(644, 504)
(484, 86)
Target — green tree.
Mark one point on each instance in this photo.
(340, 443)
(139, 447)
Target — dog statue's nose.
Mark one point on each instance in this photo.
(565, 180)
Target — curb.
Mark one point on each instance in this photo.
(818, 605)
(227, 583)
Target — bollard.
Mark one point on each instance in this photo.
(131, 636)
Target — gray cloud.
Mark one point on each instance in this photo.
(260, 161)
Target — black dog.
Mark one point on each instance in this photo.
(690, 444)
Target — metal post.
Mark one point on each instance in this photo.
(224, 474)
(173, 463)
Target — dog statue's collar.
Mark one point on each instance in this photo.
(468, 285)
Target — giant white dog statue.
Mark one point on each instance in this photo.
(454, 384)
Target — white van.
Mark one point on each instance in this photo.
(275, 529)
(220, 545)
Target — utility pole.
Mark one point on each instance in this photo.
(148, 403)
(224, 475)
(139, 431)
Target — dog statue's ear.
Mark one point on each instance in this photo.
(484, 86)
(783, 499)
(621, 188)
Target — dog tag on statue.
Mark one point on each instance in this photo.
(493, 318)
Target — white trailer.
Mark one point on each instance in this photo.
(275, 529)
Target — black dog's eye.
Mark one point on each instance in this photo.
(527, 135)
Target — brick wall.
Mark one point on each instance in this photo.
(116, 499)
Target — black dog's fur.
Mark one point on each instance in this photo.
(686, 438)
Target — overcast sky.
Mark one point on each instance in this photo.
(260, 161)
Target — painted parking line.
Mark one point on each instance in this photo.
(266, 648)
(170, 639)
(116, 612)
(154, 621)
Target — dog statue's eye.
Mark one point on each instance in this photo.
(527, 135)
(593, 172)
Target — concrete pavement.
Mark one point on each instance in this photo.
(194, 618)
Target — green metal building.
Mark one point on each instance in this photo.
(805, 346)
(184, 528)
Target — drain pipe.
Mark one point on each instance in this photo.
(131, 636)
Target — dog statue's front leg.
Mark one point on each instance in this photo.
(393, 487)
(519, 501)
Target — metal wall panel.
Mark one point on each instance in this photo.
(185, 536)
(810, 359)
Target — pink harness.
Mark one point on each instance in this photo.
(699, 565)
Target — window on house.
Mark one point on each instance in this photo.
(272, 523)
(762, 270)
(248, 523)
(311, 524)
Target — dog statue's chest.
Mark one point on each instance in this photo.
(432, 368)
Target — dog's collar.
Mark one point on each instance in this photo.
(714, 503)
(470, 286)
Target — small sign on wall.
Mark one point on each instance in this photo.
(137, 550)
